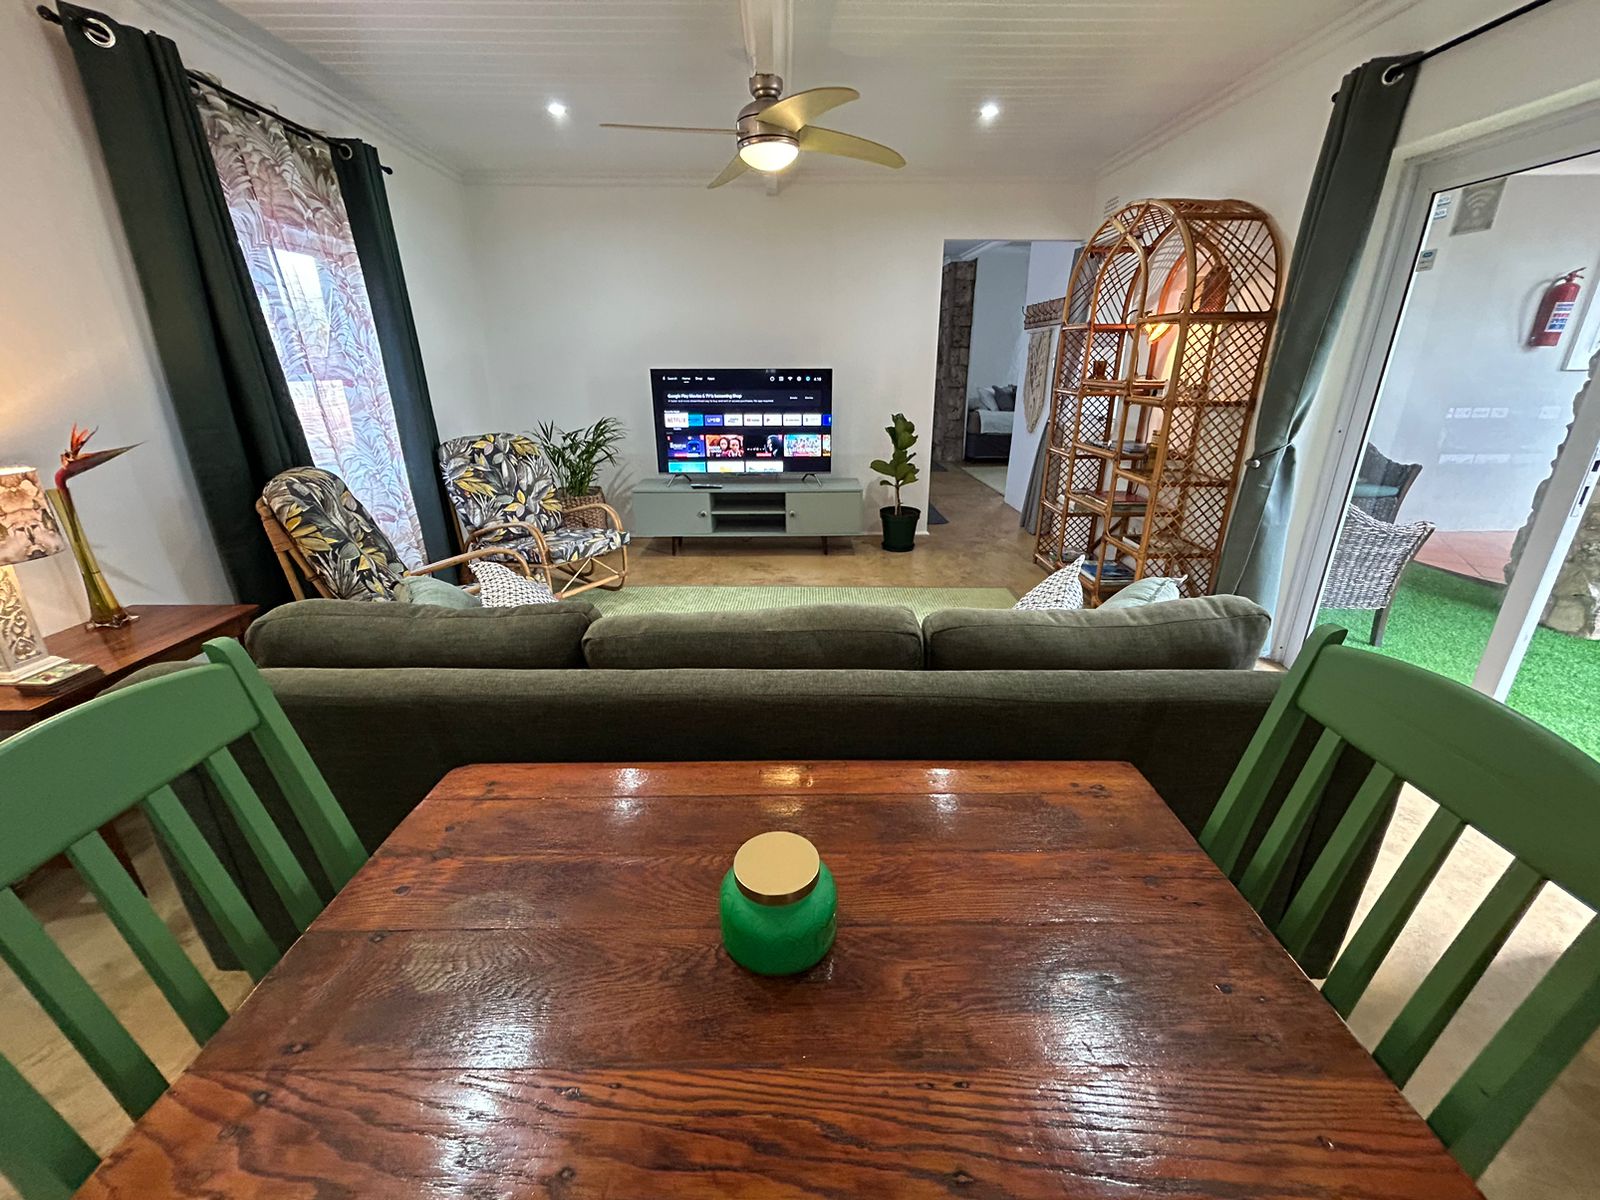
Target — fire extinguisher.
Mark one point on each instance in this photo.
(1555, 311)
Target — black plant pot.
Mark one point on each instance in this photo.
(900, 528)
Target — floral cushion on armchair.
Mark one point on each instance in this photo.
(499, 477)
(337, 536)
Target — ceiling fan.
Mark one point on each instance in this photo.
(773, 129)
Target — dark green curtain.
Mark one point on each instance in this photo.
(367, 201)
(1333, 229)
(227, 387)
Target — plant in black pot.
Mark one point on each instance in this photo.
(900, 521)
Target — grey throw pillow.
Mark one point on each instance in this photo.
(1005, 397)
(425, 589)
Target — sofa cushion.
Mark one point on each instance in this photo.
(360, 633)
(1210, 632)
(813, 636)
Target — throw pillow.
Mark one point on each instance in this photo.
(983, 398)
(425, 589)
(1063, 589)
(1005, 397)
(501, 587)
(1152, 590)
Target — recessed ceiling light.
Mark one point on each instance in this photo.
(556, 109)
(989, 111)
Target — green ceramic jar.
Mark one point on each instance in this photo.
(778, 905)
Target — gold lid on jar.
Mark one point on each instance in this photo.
(776, 868)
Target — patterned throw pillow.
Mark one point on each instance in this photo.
(501, 587)
(1063, 589)
(1153, 589)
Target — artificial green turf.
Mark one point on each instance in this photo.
(1441, 622)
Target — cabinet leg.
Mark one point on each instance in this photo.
(824, 546)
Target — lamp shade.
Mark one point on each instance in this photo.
(28, 526)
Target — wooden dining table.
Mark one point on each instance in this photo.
(1041, 986)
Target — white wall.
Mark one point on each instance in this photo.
(586, 288)
(1049, 264)
(997, 304)
(75, 342)
(1464, 395)
(1259, 139)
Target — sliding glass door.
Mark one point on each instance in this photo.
(1460, 528)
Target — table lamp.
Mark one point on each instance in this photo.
(28, 530)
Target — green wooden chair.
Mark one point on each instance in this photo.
(66, 777)
(1485, 766)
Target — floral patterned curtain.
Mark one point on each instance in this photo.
(292, 226)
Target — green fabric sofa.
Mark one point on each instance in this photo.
(851, 683)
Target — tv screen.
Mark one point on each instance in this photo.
(743, 420)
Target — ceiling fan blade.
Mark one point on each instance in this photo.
(847, 145)
(729, 173)
(795, 112)
(669, 128)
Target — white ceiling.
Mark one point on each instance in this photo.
(1077, 80)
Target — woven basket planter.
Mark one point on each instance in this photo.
(590, 518)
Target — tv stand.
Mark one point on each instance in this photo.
(819, 506)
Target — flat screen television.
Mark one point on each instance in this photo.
(743, 420)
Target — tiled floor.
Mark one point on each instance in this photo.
(1475, 553)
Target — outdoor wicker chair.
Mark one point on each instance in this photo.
(1368, 562)
(1382, 484)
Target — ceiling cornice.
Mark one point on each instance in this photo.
(299, 71)
(1290, 62)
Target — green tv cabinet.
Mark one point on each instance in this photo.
(819, 506)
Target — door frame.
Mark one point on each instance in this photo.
(1514, 147)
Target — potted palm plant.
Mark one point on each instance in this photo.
(900, 521)
(575, 457)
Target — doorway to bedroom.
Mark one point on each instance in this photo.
(999, 307)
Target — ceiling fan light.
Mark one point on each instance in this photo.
(768, 153)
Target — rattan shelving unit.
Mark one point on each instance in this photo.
(1164, 338)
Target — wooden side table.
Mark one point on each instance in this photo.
(163, 633)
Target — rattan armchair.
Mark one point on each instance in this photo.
(1367, 565)
(323, 536)
(1382, 484)
(503, 496)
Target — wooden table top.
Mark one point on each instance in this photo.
(163, 633)
(1041, 987)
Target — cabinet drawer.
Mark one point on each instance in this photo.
(681, 513)
(824, 514)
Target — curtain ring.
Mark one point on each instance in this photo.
(1388, 79)
(98, 32)
(345, 152)
(1254, 464)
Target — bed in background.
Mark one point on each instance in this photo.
(990, 413)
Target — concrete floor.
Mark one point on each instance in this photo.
(1556, 1155)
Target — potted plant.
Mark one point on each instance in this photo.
(575, 457)
(899, 522)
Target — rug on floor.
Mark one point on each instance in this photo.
(935, 517)
(920, 600)
(1441, 622)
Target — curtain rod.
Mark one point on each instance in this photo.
(1423, 56)
(238, 101)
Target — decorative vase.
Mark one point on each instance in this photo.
(104, 610)
(900, 528)
(779, 905)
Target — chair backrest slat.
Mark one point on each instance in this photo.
(1228, 828)
(1354, 833)
(1458, 970)
(68, 776)
(40, 1153)
(1299, 806)
(240, 927)
(1486, 768)
(265, 839)
(1377, 933)
(148, 937)
(77, 1010)
(1522, 1060)
(333, 839)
